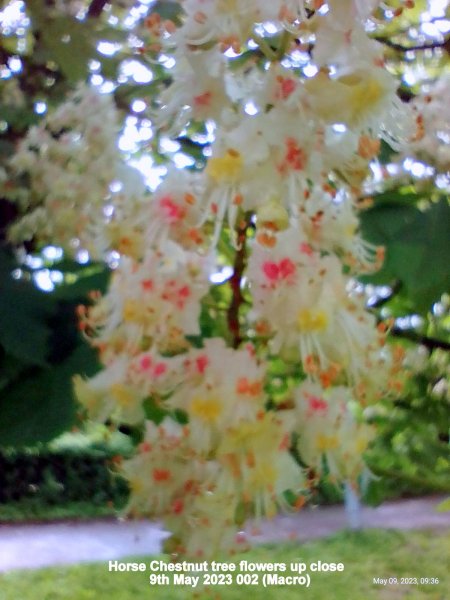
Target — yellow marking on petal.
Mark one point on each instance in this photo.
(121, 395)
(207, 409)
(132, 311)
(264, 475)
(309, 320)
(350, 230)
(361, 445)
(364, 96)
(225, 168)
(273, 214)
(326, 442)
(136, 485)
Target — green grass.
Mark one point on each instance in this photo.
(365, 555)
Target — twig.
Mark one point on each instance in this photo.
(96, 7)
(395, 288)
(265, 47)
(408, 334)
(235, 282)
(424, 340)
(418, 48)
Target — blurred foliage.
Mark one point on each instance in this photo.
(411, 452)
(41, 350)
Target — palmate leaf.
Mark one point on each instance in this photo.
(40, 351)
(71, 43)
(11, 370)
(417, 248)
(42, 405)
(24, 313)
(64, 40)
(88, 278)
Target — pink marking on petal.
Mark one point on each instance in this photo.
(286, 268)
(145, 447)
(251, 350)
(160, 369)
(317, 404)
(170, 210)
(271, 270)
(146, 363)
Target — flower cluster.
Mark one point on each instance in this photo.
(230, 458)
(69, 180)
(431, 142)
(327, 427)
(298, 97)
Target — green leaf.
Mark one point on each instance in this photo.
(10, 370)
(386, 220)
(17, 117)
(70, 45)
(153, 411)
(66, 41)
(24, 313)
(168, 10)
(39, 408)
(417, 248)
(386, 153)
(130, 91)
(94, 277)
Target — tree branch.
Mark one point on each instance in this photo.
(235, 283)
(424, 340)
(96, 7)
(419, 48)
(395, 289)
(431, 483)
(408, 334)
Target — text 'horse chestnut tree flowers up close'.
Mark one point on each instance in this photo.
(297, 97)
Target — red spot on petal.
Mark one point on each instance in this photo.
(201, 363)
(184, 292)
(306, 249)
(287, 87)
(147, 285)
(145, 447)
(203, 99)
(177, 506)
(161, 475)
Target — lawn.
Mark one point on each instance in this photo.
(365, 555)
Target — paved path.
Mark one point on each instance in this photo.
(35, 546)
